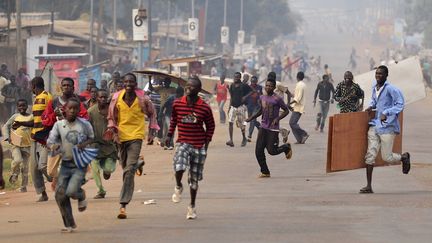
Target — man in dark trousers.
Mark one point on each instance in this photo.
(326, 95)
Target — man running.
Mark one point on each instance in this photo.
(298, 106)
(126, 121)
(190, 114)
(105, 161)
(388, 102)
(237, 111)
(268, 135)
(326, 96)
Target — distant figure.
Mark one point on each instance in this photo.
(86, 94)
(221, 90)
(253, 104)
(371, 64)
(4, 72)
(11, 92)
(298, 105)
(348, 95)
(263, 71)
(326, 95)
(328, 72)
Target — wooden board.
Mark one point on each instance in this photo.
(347, 142)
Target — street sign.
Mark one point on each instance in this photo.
(240, 36)
(224, 34)
(193, 28)
(140, 26)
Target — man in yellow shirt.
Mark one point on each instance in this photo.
(38, 152)
(126, 121)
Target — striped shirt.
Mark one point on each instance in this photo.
(190, 120)
(39, 105)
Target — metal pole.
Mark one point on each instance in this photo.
(225, 22)
(91, 33)
(99, 29)
(193, 16)
(140, 52)
(149, 17)
(241, 27)
(18, 37)
(225, 12)
(176, 29)
(167, 43)
(205, 21)
(52, 18)
(115, 21)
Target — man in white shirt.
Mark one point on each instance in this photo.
(298, 105)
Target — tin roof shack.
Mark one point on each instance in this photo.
(64, 65)
(34, 41)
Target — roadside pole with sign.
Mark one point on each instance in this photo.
(240, 41)
(224, 35)
(193, 31)
(140, 33)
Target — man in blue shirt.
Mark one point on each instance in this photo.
(388, 102)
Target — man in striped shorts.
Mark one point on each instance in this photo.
(195, 124)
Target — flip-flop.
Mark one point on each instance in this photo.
(366, 190)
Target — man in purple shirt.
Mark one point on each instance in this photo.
(268, 135)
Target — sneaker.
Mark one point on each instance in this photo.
(82, 204)
(304, 139)
(122, 214)
(43, 198)
(13, 178)
(67, 230)
(191, 213)
(100, 195)
(22, 189)
(406, 163)
(288, 154)
(230, 143)
(244, 142)
(284, 132)
(176, 196)
(249, 139)
(170, 147)
(264, 175)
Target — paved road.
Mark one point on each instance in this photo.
(300, 203)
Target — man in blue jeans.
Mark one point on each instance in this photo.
(388, 102)
(326, 95)
(65, 134)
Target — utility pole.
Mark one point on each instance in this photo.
(176, 29)
(167, 43)
(205, 20)
(91, 33)
(193, 16)
(241, 27)
(224, 24)
(18, 36)
(99, 29)
(52, 18)
(140, 46)
(115, 21)
(149, 17)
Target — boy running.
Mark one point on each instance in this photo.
(20, 149)
(65, 134)
(268, 134)
(107, 155)
(189, 114)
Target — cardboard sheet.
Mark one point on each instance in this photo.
(347, 142)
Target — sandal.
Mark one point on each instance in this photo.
(366, 190)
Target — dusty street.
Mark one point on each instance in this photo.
(299, 203)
